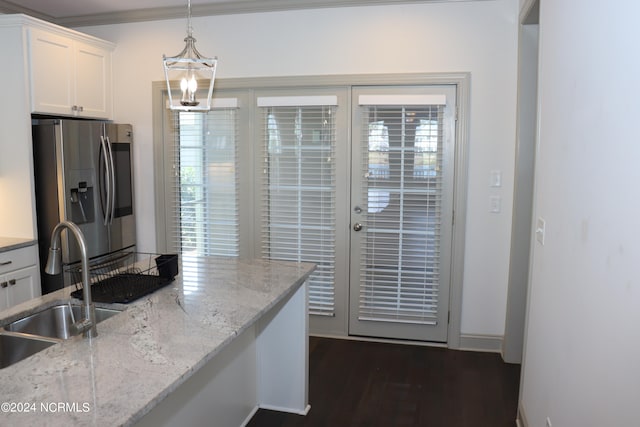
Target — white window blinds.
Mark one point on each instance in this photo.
(402, 168)
(298, 205)
(204, 194)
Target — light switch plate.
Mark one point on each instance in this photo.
(496, 204)
(496, 178)
(540, 230)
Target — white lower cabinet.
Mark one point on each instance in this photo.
(22, 285)
(19, 276)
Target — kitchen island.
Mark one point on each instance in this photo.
(226, 337)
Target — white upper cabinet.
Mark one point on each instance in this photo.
(47, 69)
(93, 80)
(68, 75)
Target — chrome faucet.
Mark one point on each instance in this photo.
(87, 325)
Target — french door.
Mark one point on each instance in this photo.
(368, 200)
(356, 179)
(402, 171)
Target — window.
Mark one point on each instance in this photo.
(425, 162)
(204, 196)
(400, 264)
(298, 212)
(378, 155)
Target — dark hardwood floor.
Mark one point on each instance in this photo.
(358, 384)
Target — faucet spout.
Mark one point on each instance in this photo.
(87, 325)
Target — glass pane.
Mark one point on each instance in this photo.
(207, 183)
(402, 166)
(299, 222)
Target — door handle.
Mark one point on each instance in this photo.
(357, 226)
(113, 181)
(106, 185)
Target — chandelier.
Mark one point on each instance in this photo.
(187, 70)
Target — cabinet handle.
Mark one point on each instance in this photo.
(3, 285)
(12, 282)
(78, 108)
(2, 264)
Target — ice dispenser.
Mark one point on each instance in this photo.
(80, 199)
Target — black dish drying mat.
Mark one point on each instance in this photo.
(124, 288)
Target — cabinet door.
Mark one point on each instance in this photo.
(23, 285)
(93, 81)
(51, 72)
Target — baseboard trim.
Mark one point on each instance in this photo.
(487, 343)
(521, 420)
(305, 411)
(250, 416)
(468, 342)
(380, 340)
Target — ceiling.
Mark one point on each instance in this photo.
(98, 12)
(70, 8)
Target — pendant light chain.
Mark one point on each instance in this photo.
(189, 27)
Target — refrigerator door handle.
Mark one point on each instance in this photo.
(107, 183)
(113, 182)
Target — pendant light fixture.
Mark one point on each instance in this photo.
(187, 70)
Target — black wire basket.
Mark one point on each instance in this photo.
(126, 277)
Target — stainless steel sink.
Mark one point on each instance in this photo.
(55, 321)
(15, 348)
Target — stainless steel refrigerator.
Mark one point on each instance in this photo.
(83, 173)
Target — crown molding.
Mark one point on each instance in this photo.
(10, 8)
(225, 7)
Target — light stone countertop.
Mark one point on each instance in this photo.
(144, 353)
(11, 243)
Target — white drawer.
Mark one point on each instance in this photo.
(18, 258)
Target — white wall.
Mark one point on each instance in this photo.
(582, 346)
(480, 37)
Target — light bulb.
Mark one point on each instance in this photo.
(184, 85)
(193, 85)
(189, 86)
